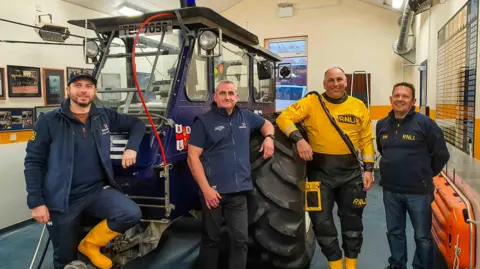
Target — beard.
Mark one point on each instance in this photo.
(77, 101)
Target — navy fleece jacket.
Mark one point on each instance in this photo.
(50, 154)
(413, 151)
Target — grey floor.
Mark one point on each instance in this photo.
(181, 246)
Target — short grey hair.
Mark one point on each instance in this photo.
(335, 67)
(225, 82)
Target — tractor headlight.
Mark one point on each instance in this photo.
(207, 40)
(92, 49)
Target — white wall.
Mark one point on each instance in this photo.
(428, 25)
(12, 186)
(42, 56)
(12, 182)
(353, 35)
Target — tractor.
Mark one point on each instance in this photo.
(163, 67)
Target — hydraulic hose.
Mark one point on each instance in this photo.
(135, 79)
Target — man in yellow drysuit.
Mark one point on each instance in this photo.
(331, 162)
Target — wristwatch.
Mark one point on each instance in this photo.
(271, 136)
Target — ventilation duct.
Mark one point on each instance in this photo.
(404, 45)
(419, 6)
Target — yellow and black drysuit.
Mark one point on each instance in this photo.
(335, 166)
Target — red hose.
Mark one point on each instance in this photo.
(135, 79)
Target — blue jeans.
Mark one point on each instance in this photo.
(420, 211)
(121, 214)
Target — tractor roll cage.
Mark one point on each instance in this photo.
(192, 17)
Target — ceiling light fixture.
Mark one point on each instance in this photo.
(128, 11)
(397, 4)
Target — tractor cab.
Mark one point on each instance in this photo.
(163, 68)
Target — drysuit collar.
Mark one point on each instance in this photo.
(335, 101)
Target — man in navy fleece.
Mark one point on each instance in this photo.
(413, 151)
(219, 159)
(68, 172)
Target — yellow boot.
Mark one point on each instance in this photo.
(336, 264)
(98, 237)
(350, 263)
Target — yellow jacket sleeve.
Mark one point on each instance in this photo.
(293, 114)
(366, 138)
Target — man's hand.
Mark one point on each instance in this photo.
(41, 214)
(367, 180)
(129, 158)
(211, 197)
(267, 147)
(304, 150)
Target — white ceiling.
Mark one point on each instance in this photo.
(387, 4)
(111, 6)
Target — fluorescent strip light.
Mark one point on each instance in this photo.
(397, 4)
(127, 11)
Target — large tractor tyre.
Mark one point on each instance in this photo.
(279, 236)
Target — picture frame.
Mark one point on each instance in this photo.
(24, 81)
(16, 119)
(3, 84)
(39, 110)
(53, 86)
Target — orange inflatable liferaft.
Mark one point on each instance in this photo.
(450, 228)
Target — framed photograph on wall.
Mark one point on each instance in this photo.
(16, 119)
(24, 81)
(2, 84)
(39, 110)
(54, 86)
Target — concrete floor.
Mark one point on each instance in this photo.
(181, 245)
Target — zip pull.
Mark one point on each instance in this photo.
(84, 132)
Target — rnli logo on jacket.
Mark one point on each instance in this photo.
(408, 137)
(350, 119)
(243, 126)
(182, 134)
(105, 129)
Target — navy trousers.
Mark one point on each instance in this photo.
(108, 203)
(232, 208)
(419, 208)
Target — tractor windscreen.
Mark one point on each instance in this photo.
(156, 63)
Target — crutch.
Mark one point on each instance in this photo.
(368, 86)
(38, 246)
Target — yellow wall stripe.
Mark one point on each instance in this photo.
(476, 140)
(379, 112)
(15, 137)
(433, 114)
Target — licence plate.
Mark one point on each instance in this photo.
(153, 28)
